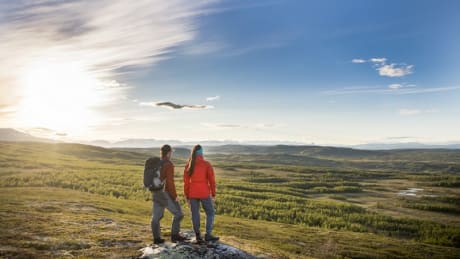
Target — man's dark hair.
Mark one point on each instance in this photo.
(165, 149)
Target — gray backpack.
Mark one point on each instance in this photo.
(152, 174)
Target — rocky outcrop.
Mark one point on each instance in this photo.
(192, 249)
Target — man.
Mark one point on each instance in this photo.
(166, 199)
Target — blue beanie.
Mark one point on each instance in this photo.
(199, 152)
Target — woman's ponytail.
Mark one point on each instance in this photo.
(192, 159)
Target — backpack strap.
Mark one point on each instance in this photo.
(162, 162)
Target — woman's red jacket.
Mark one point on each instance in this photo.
(201, 184)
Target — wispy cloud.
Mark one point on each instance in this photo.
(107, 34)
(411, 112)
(400, 85)
(408, 112)
(101, 36)
(256, 126)
(203, 48)
(395, 86)
(358, 60)
(371, 60)
(213, 98)
(430, 90)
(399, 138)
(234, 5)
(222, 49)
(378, 60)
(408, 89)
(175, 106)
(389, 70)
(221, 125)
(268, 44)
(219, 47)
(266, 125)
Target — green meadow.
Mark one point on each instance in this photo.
(64, 200)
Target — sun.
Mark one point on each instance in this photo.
(59, 96)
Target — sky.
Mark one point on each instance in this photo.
(322, 72)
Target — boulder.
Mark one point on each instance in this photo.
(192, 249)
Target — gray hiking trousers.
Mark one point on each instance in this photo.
(162, 200)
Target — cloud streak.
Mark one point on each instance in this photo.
(221, 125)
(411, 112)
(213, 98)
(358, 61)
(103, 37)
(257, 126)
(395, 86)
(174, 106)
(409, 89)
(378, 60)
(400, 85)
(108, 34)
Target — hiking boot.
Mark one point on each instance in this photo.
(158, 241)
(177, 238)
(198, 238)
(209, 237)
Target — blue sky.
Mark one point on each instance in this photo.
(324, 72)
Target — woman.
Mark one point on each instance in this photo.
(200, 187)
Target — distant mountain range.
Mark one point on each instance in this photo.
(147, 143)
(7, 134)
(408, 145)
(227, 146)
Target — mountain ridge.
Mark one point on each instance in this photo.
(10, 134)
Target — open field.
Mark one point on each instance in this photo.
(68, 199)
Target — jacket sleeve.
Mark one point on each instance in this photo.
(211, 180)
(186, 183)
(169, 175)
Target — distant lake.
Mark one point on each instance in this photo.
(410, 192)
